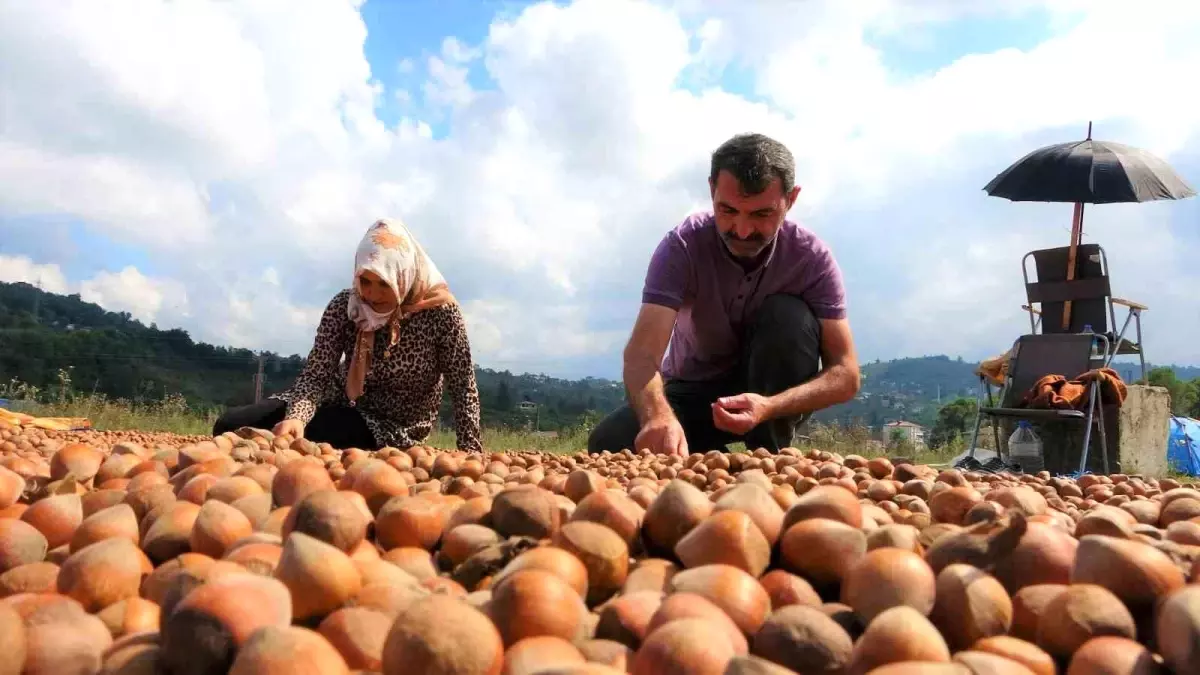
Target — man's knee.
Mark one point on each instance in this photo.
(784, 344)
(785, 324)
(787, 314)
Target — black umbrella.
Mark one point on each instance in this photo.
(1087, 172)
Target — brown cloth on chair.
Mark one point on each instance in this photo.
(1055, 391)
(995, 368)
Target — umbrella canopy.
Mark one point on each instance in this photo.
(1089, 172)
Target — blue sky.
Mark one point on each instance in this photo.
(562, 175)
(411, 31)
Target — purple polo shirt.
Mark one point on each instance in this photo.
(692, 272)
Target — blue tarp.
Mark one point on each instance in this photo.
(1183, 446)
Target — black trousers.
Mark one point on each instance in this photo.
(340, 426)
(781, 348)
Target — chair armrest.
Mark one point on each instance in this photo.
(1129, 303)
(1027, 308)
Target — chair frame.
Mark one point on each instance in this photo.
(1008, 394)
(1092, 288)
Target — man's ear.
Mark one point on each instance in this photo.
(792, 195)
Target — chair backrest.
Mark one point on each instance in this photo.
(1036, 356)
(1089, 292)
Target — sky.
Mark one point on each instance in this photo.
(213, 165)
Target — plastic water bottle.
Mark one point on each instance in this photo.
(1095, 345)
(1025, 448)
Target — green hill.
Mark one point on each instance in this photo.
(113, 354)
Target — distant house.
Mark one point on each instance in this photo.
(914, 432)
(527, 406)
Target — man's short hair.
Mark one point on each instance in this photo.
(755, 161)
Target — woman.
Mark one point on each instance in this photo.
(398, 352)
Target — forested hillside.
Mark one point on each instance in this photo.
(112, 354)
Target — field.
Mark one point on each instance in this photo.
(147, 546)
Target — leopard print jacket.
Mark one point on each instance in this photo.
(403, 391)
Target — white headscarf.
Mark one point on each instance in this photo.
(390, 251)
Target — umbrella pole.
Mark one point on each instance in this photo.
(1076, 239)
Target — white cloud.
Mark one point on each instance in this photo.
(238, 143)
(128, 290)
(447, 84)
(237, 318)
(48, 277)
(457, 52)
(500, 330)
(131, 291)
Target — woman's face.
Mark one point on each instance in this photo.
(376, 293)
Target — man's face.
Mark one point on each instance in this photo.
(748, 223)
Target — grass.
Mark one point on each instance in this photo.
(172, 414)
(169, 416)
(106, 415)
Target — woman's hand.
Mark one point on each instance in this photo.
(289, 427)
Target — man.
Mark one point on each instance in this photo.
(753, 308)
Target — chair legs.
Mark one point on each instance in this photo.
(1093, 404)
(1141, 343)
(1087, 430)
(996, 437)
(984, 393)
(1103, 433)
(978, 418)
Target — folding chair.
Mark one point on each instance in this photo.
(1032, 358)
(1090, 296)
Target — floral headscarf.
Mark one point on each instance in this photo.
(389, 250)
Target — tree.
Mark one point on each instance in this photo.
(1193, 393)
(1183, 394)
(503, 396)
(952, 421)
(900, 443)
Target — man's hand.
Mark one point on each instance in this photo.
(289, 427)
(739, 414)
(661, 432)
(664, 435)
(837, 382)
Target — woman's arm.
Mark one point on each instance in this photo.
(455, 362)
(315, 383)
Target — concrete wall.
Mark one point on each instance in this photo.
(1145, 423)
